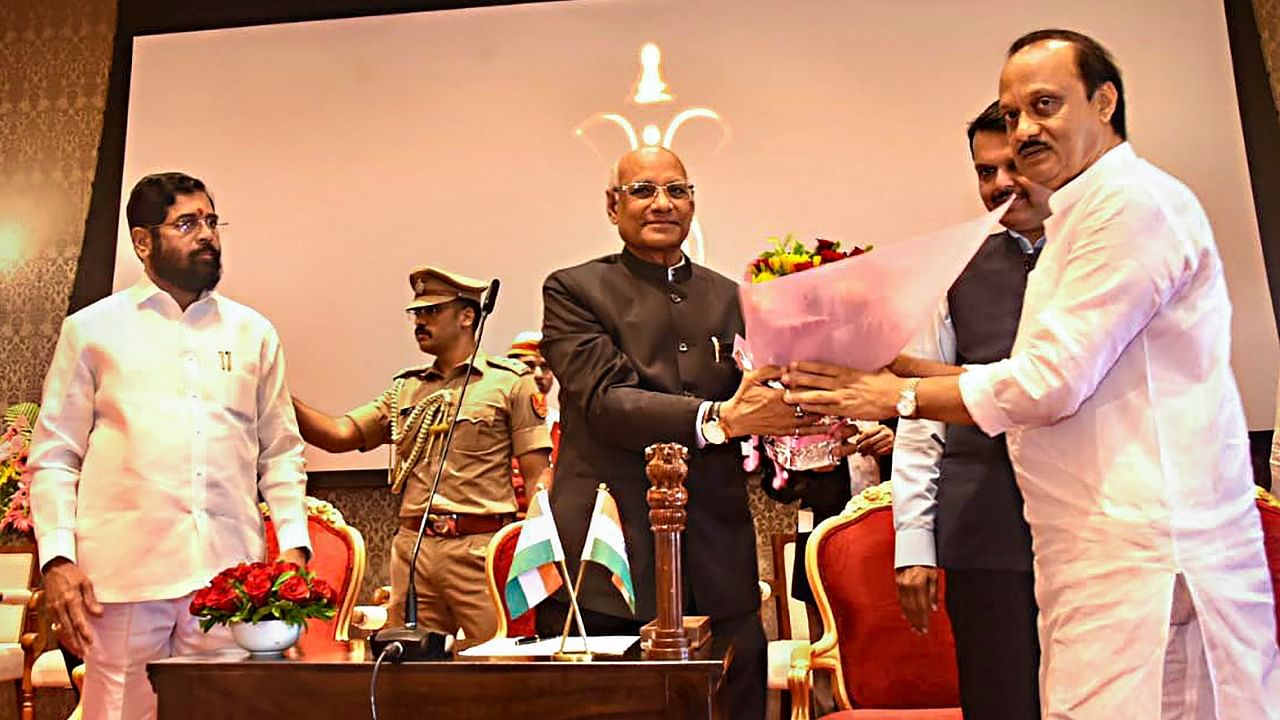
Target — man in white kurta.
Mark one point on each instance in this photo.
(1125, 426)
(165, 414)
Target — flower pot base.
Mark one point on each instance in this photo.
(265, 640)
(266, 655)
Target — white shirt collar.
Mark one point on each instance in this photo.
(1027, 246)
(671, 271)
(145, 289)
(1069, 194)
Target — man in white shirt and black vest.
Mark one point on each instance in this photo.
(956, 504)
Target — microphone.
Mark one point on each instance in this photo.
(414, 643)
(490, 299)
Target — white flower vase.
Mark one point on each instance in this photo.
(266, 639)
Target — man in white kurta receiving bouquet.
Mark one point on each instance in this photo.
(1124, 422)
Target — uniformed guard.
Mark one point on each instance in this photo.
(499, 420)
(526, 347)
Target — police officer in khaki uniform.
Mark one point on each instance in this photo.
(500, 418)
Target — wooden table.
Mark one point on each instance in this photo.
(459, 689)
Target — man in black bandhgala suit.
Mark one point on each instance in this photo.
(641, 343)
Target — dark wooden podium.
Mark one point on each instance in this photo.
(461, 689)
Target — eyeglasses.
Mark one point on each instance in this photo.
(188, 224)
(647, 190)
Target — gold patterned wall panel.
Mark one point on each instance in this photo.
(54, 59)
(1268, 15)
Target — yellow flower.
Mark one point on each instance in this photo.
(763, 276)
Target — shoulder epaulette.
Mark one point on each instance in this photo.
(509, 364)
(414, 370)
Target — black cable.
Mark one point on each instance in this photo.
(392, 650)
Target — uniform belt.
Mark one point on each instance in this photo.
(457, 524)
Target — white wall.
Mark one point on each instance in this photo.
(345, 152)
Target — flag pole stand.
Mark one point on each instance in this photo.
(561, 655)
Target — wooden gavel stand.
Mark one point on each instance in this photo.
(670, 636)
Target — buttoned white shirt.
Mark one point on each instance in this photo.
(1121, 366)
(917, 450)
(1128, 439)
(157, 431)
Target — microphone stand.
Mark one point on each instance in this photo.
(410, 642)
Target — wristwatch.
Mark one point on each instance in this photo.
(712, 432)
(907, 399)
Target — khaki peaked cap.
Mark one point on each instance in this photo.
(432, 286)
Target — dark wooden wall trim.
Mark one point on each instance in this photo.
(335, 479)
(1261, 125)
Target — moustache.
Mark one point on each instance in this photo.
(1001, 195)
(1031, 145)
(215, 253)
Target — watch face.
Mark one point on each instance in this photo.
(906, 407)
(713, 433)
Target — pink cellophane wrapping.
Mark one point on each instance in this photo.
(859, 312)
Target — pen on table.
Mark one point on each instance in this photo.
(528, 640)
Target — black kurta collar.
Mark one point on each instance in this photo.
(657, 273)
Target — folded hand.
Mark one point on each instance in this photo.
(834, 390)
(758, 409)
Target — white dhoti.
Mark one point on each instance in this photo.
(1114, 646)
(126, 638)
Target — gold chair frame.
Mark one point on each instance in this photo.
(491, 581)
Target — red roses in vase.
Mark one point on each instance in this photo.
(256, 592)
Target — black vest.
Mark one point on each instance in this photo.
(979, 524)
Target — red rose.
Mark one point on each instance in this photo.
(322, 591)
(825, 245)
(856, 252)
(281, 567)
(226, 600)
(806, 265)
(258, 586)
(200, 601)
(239, 573)
(295, 590)
(829, 256)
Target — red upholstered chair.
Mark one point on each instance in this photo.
(881, 669)
(1269, 509)
(338, 558)
(497, 561)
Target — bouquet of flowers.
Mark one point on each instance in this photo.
(807, 305)
(256, 592)
(15, 482)
(789, 255)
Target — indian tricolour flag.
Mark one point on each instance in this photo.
(605, 545)
(533, 575)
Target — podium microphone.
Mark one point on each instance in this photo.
(410, 642)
